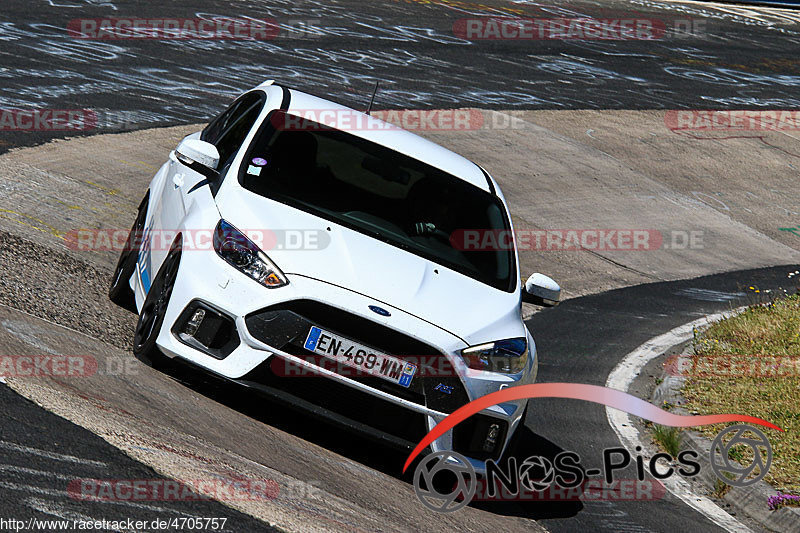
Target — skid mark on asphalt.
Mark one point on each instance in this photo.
(64, 495)
(49, 498)
(38, 337)
(328, 61)
(19, 448)
(90, 467)
(615, 519)
(149, 439)
(762, 14)
(55, 509)
(707, 295)
(34, 472)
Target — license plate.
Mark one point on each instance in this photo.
(362, 358)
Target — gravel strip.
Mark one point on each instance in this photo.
(55, 286)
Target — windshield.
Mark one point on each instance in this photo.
(378, 192)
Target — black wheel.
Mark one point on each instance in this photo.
(155, 307)
(120, 291)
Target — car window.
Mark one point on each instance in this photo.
(381, 193)
(228, 131)
(212, 132)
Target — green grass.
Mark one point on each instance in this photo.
(750, 365)
(720, 488)
(737, 453)
(669, 438)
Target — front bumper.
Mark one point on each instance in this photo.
(206, 279)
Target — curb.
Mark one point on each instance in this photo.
(750, 501)
(623, 378)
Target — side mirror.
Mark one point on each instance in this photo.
(200, 156)
(541, 290)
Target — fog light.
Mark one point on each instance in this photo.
(491, 438)
(194, 323)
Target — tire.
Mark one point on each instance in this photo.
(151, 319)
(120, 291)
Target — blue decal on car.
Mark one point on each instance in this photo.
(441, 387)
(313, 338)
(145, 258)
(408, 372)
(146, 281)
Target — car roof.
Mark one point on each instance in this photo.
(393, 137)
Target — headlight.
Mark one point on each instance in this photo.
(507, 356)
(242, 254)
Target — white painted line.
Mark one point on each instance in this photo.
(621, 378)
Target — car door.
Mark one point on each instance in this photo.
(186, 189)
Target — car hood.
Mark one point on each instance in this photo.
(302, 244)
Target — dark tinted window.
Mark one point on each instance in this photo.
(227, 131)
(379, 192)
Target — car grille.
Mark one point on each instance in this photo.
(285, 326)
(405, 425)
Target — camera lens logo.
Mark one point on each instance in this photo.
(536, 473)
(450, 466)
(726, 455)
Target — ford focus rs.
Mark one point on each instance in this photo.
(319, 263)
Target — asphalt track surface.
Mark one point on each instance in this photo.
(338, 50)
(705, 58)
(42, 456)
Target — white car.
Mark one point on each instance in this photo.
(374, 318)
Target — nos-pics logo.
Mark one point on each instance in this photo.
(446, 481)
